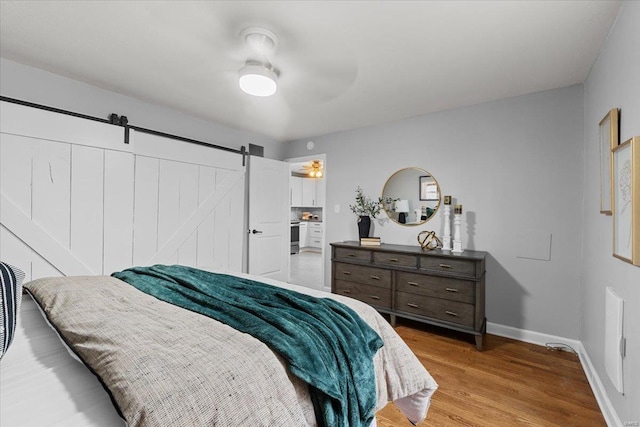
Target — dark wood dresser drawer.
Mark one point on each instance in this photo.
(363, 274)
(373, 295)
(353, 254)
(396, 260)
(435, 286)
(453, 266)
(437, 308)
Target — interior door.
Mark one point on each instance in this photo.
(269, 218)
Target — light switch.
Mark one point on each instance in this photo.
(336, 209)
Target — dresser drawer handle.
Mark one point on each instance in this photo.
(412, 283)
(352, 255)
(444, 265)
(346, 273)
(412, 305)
(375, 297)
(451, 290)
(451, 313)
(346, 291)
(394, 259)
(375, 277)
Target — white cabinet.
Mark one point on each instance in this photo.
(315, 235)
(308, 192)
(320, 192)
(296, 191)
(304, 235)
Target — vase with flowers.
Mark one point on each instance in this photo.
(366, 208)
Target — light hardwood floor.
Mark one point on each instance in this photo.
(510, 383)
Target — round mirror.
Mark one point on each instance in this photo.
(411, 196)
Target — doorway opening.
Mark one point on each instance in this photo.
(307, 189)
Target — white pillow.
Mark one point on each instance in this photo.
(10, 297)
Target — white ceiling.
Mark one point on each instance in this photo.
(343, 65)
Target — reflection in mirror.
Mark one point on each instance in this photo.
(411, 196)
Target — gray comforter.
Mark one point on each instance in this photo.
(166, 366)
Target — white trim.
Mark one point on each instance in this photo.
(608, 411)
(529, 336)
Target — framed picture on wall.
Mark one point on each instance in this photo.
(608, 141)
(626, 201)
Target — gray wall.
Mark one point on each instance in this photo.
(34, 85)
(515, 165)
(614, 81)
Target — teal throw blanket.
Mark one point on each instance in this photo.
(325, 343)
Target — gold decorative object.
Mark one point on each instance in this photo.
(428, 240)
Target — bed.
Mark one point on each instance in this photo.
(184, 369)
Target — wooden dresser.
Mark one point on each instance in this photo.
(435, 287)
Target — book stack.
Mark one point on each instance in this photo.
(369, 241)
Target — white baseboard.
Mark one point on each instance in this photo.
(529, 336)
(607, 409)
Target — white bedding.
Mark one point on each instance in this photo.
(42, 385)
(38, 369)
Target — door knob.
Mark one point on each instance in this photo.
(254, 231)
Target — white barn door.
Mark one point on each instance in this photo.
(76, 200)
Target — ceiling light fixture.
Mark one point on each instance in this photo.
(258, 79)
(316, 170)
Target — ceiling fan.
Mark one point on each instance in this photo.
(314, 169)
(301, 71)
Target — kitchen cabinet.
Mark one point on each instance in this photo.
(320, 193)
(304, 235)
(296, 191)
(307, 192)
(315, 235)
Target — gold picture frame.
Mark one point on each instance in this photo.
(626, 201)
(608, 141)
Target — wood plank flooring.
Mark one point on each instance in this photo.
(510, 383)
